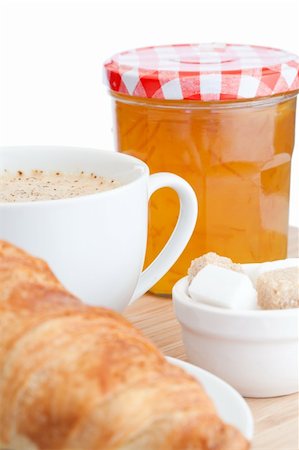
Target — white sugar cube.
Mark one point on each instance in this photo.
(222, 287)
(255, 270)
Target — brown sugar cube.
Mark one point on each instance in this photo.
(278, 289)
(211, 258)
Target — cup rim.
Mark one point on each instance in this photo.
(112, 154)
(180, 296)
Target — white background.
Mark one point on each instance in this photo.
(51, 53)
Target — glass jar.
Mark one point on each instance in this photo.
(236, 153)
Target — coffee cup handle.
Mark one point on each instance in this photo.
(180, 235)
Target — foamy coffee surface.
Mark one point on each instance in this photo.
(41, 185)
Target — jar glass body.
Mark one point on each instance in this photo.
(237, 157)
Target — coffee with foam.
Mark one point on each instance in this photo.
(39, 185)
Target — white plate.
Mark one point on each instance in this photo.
(231, 407)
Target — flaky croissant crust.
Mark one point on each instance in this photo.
(80, 377)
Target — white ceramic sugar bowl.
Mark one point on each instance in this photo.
(256, 351)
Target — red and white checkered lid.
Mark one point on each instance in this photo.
(206, 72)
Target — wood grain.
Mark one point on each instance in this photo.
(276, 419)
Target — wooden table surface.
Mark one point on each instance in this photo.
(275, 419)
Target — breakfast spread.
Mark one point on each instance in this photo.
(216, 280)
(37, 185)
(221, 116)
(74, 376)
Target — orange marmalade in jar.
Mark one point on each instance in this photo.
(221, 116)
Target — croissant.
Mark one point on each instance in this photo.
(79, 377)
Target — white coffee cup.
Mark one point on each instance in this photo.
(95, 244)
